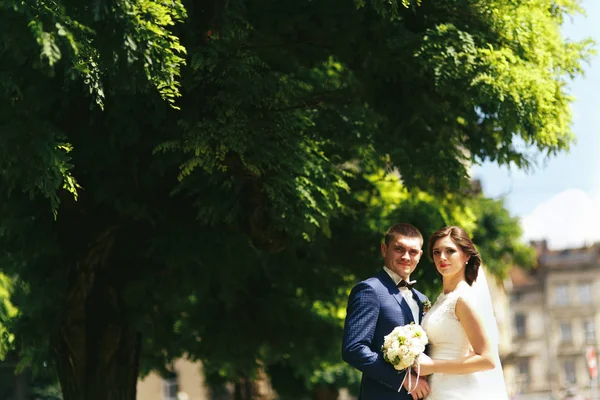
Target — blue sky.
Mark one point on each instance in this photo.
(560, 199)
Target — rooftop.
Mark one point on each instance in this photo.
(521, 278)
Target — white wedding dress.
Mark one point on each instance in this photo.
(448, 341)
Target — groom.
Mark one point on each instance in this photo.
(375, 307)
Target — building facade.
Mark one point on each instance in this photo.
(555, 312)
(186, 383)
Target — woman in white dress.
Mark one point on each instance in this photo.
(463, 336)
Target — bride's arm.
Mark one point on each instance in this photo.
(482, 357)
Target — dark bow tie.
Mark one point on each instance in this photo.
(406, 284)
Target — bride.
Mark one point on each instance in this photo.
(463, 356)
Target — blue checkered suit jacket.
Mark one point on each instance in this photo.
(375, 308)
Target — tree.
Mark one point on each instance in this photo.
(175, 175)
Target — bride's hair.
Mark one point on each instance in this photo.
(461, 238)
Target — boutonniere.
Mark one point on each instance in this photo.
(426, 306)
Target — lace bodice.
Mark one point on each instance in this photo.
(447, 337)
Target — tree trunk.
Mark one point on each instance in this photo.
(21, 389)
(110, 373)
(254, 389)
(325, 393)
(96, 349)
(244, 389)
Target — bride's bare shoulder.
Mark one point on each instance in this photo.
(465, 305)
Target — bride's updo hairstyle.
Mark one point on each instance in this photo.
(462, 240)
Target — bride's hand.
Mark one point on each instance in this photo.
(425, 365)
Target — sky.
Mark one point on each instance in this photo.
(560, 199)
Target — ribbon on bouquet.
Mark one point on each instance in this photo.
(408, 373)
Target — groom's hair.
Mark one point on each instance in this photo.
(402, 229)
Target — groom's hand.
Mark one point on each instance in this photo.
(420, 389)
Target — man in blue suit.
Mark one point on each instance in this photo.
(375, 307)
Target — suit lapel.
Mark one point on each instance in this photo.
(419, 302)
(404, 305)
(389, 283)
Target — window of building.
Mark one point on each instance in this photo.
(569, 370)
(520, 325)
(565, 332)
(589, 331)
(585, 292)
(517, 297)
(561, 295)
(170, 387)
(523, 373)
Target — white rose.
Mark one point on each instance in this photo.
(417, 348)
(403, 349)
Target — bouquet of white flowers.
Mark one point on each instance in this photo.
(403, 346)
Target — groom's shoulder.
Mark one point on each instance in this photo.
(374, 281)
